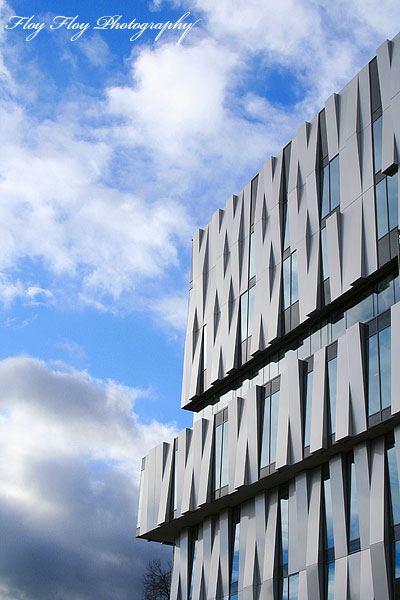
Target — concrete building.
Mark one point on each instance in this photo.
(287, 485)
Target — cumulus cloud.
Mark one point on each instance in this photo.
(71, 448)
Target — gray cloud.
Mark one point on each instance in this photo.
(71, 449)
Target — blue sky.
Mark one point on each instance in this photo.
(112, 153)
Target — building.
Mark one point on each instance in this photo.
(287, 485)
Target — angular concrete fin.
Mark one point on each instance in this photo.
(195, 333)
(217, 315)
(231, 304)
(227, 252)
(309, 238)
(271, 272)
(264, 218)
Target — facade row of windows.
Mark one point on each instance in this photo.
(371, 303)
(378, 361)
(288, 583)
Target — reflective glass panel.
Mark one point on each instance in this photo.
(264, 460)
(384, 359)
(377, 131)
(394, 485)
(286, 238)
(284, 504)
(325, 192)
(252, 261)
(332, 384)
(192, 569)
(381, 209)
(354, 524)
(397, 560)
(235, 558)
(274, 425)
(252, 293)
(328, 514)
(373, 375)
(243, 316)
(331, 581)
(217, 455)
(295, 287)
(307, 416)
(335, 187)
(286, 282)
(293, 587)
(324, 253)
(225, 450)
(285, 593)
(393, 201)
(385, 295)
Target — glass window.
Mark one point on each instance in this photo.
(294, 586)
(290, 280)
(234, 581)
(307, 407)
(139, 516)
(252, 260)
(379, 368)
(175, 490)
(354, 527)
(243, 315)
(269, 429)
(381, 209)
(330, 594)
(392, 191)
(252, 294)
(284, 546)
(325, 191)
(221, 476)
(286, 236)
(377, 137)
(334, 181)
(324, 254)
(329, 541)
(192, 561)
(394, 485)
(330, 187)
(332, 387)
(286, 283)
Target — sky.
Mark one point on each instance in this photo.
(116, 144)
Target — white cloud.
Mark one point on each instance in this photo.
(71, 448)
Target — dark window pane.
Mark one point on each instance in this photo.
(243, 316)
(274, 425)
(393, 201)
(324, 254)
(295, 287)
(354, 529)
(384, 359)
(394, 485)
(377, 132)
(332, 384)
(307, 408)
(381, 209)
(335, 186)
(373, 375)
(286, 283)
(325, 192)
(191, 568)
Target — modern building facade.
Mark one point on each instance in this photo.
(287, 485)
